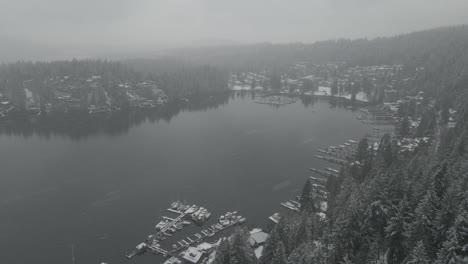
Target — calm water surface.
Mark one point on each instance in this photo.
(105, 191)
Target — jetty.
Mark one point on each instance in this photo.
(336, 154)
(170, 225)
(318, 180)
(275, 218)
(225, 221)
(333, 160)
(322, 172)
(291, 206)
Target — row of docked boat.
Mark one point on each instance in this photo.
(275, 218)
(168, 225)
(201, 215)
(225, 221)
(231, 218)
(197, 214)
(292, 205)
(339, 155)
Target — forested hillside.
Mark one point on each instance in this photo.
(442, 52)
(390, 206)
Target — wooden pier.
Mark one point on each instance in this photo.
(333, 160)
(337, 154)
(323, 173)
(205, 234)
(318, 180)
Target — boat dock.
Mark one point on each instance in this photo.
(225, 221)
(291, 206)
(318, 180)
(275, 218)
(168, 224)
(323, 173)
(337, 154)
(333, 160)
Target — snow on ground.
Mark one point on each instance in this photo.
(245, 88)
(326, 91)
(255, 230)
(258, 252)
(323, 206)
(241, 88)
(322, 91)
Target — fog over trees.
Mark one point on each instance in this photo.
(399, 196)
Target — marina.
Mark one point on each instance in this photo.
(187, 214)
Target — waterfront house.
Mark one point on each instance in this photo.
(257, 238)
(192, 255)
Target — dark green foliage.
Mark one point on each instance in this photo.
(279, 254)
(388, 207)
(418, 256)
(236, 250)
(428, 123)
(306, 198)
(334, 88)
(397, 248)
(422, 227)
(404, 127)
(362, 150)
(385, 152)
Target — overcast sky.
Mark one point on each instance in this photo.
(164, 22)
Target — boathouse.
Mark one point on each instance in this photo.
(257, 238)
(193, 255)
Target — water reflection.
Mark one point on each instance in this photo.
(78, 126)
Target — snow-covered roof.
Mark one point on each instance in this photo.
(258, 238)
(192, 254)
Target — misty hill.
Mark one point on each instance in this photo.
(414, 47)
(442, 52)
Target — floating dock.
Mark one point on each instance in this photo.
(323, 173)
(275, 218)
(318, 180)
(291, 206)
(336, 154)
(170, 225)
(333, 160)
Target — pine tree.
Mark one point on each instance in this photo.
(404, 127)
(240, 250)
(222, 253)
(334, 88)
(346, 260)
(421, 229)
(302, 233)
(418, 256)
(295, 258)
(445, 114)
(395, 233)
(306, 198)
(448, 253)
(279, 255)
(445, 216)
(235, 250)
(440, 181)
(272, 243)
(362, 152)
